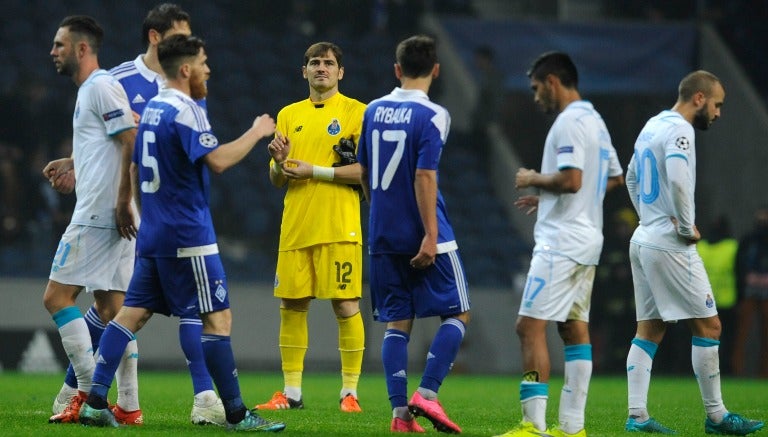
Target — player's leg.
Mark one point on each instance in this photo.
(338, 268)
(211, 297)
(391, 304)
(649, 334)
(294, 285)
(442, 291)
(206, 406)
(69, 388)
(578, 353)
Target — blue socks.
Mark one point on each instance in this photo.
(442, 352)
(190, 330)
(220, 361)
(394, 356)
(111, 348)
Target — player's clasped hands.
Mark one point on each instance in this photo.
(529, 203)
(61, 174)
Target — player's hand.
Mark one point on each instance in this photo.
(529, 202)
(688, 240)
(124, 220)
(346, 150)
(524, 177)
(279, 147)
(297, 169)
(264, 125)
(61, 174)
(426, 255)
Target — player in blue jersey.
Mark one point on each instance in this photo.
(91, 255)
(142, 79)
(668, 274)
(416, 270)
(178, 270)
(578, 166)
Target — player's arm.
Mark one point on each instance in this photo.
(425, 187)
(681, 191)
(632, 184)
(567, 180)
(229, 154)
(614, 181)
(136, 184)
(298, 170)
(61, 174)
(278, 149)
(124, 219)
(364, 184)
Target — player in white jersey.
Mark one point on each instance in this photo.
(668, 274)
(96, 252)
(578, 166)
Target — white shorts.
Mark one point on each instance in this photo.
(557, 288)
(670, 285)
(95, 258)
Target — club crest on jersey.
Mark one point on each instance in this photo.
(112, 114)
(208, 140)
(335, 127)
(710, 302)
(682, 143)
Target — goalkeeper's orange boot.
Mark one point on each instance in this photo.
(134, 418)
(71, 413)
(349, 404)
(280, 401)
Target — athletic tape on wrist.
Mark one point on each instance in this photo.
(322, 173)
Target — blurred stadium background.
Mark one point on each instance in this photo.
(631, 54)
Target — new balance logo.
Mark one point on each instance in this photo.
(400, 374)
(138, 99)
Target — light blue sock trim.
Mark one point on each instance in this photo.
(648, 346)
(66, 315)
(704, 342)
(578, 352)
(533, 390)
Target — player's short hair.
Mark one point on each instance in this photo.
(85, 27)
(697, 81)
(416, 56)
(557, 64)
(161, 18)
(174, 50)
(320, 49)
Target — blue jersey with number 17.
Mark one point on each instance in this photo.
(402, 132)
(174, 135)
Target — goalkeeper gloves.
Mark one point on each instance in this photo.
(346, 150)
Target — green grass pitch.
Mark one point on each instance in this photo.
(481, 405)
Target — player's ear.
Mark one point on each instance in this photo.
(398, 71)
(154, 37)
(435, 71)
(341, 72)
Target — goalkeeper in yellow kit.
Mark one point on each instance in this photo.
(320, 253)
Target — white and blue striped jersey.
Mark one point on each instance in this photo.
(101, 112)
(661, 179)
(571, 224)
(174, 135)
(140, 82)
(402, 132)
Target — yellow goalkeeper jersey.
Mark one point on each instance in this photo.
(315, 211)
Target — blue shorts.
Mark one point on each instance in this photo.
(400, 292)
(183, 287)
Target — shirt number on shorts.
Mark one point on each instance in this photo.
(61, 256)
(532, 288)
(343, 270)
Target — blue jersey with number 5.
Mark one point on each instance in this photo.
(174, 135)
(402, 132)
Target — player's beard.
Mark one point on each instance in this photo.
(67, 67)
(197, 88)
(701, 119)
